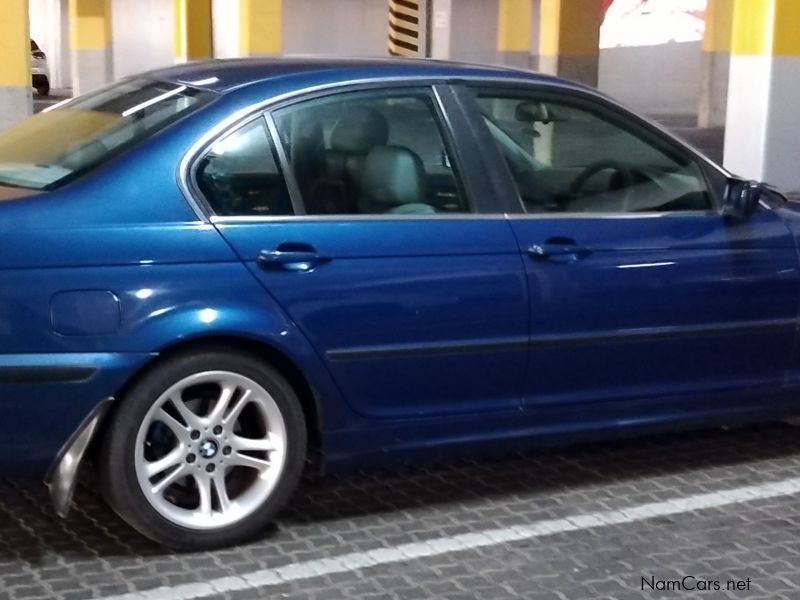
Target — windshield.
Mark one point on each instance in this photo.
(56, 146)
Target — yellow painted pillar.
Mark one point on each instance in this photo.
(260, 27)
(16, 101)
(569, 39)
(762, 136)
(716, 63)
(90, 43)
(192, 37)
(514, 29)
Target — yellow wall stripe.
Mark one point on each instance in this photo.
(179, 33)
(766, 27)
(15, 46)
(719, 26)
(514, 25)
(90, 24)
(192, 39)
(260, 27)
(752, 26)
(570, 27)
(786, 39)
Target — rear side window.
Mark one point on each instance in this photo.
(239, 175)
(368, 153)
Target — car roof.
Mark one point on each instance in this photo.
(225, 75)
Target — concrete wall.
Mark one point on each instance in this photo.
(344, 27)
(142, 35)
(662, 79)
(465, 30)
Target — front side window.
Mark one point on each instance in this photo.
(54, 147)
(368, 153)
(567, 158)
(239, 175)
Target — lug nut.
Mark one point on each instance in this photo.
(226, 450)
(210, 468)
(190, 458)
(217, 429)
(195, 434)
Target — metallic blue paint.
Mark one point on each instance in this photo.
(418, 333)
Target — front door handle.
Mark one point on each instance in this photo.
(564, 249)
(291, 259)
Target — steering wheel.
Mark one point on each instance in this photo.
(624, 183)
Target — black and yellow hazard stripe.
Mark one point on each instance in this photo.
(404, 24)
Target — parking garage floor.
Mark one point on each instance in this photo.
(629, 519)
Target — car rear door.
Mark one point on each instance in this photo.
(639, 288)
(383, 247)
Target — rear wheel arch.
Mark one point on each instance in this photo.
(258, 448)
(256, 348)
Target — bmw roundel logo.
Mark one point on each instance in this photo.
(208, 449)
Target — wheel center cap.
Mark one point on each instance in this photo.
(209, 449)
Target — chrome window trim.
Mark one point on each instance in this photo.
(222, 220)
(616, 215)
(231, 220)
(185, 167)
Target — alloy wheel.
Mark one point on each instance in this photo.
(210, 450)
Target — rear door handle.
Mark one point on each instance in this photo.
(554, 250)
(294, 259)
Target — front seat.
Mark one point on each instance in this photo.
(393, 182)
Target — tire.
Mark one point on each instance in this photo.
(43, 90)
(163, 465)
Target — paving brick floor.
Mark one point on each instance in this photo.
(93, 554)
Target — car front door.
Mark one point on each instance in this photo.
(639, 288)
(380, 248)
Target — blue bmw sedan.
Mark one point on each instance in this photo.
(212, 272)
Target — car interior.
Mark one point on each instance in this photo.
(370, 156)
(567, 159)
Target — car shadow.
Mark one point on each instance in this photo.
(34, 537)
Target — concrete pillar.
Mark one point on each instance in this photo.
(192, 36)
(716, 63)
(514, 29)
(16, 100)
(569, 39)
(90, 42)
(762, 137)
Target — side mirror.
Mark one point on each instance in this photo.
(741, 199)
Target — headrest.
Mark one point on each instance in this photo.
(393, 176)
(359, 130)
